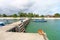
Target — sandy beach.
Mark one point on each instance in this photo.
(27, 17)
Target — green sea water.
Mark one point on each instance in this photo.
(51, 28)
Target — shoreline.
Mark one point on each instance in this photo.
(27, 17)
(46, 18)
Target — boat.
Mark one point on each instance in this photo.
(2, 23)
(39, 20)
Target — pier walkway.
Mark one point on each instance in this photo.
(4, 35)
(20, 36)
(9, 26)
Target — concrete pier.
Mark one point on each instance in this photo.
(16, 25)
(14, 32)
(20, 36)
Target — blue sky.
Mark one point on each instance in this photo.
(41, 7)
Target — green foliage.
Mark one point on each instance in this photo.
(30, 15)
(57, 15)
(10, 16)
(4, 15)
(0, 15)
(36, 15)
(21, 14)
(14, 15)
(42, 15)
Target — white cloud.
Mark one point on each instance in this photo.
(40, 6)
(45, 6)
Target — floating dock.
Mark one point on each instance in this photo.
(15, 31)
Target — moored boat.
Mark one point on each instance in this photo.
(39, 20)
(2, 24)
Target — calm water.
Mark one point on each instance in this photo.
(8, 21)
(51, 27)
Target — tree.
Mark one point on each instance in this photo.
(0, 15)
(9, 15)
(4, 15)
(42, 15)
(30, 15)
(14, 15)
(21, 14)
(36, 15)
(57, 15)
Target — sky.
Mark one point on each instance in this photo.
(41, 7)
